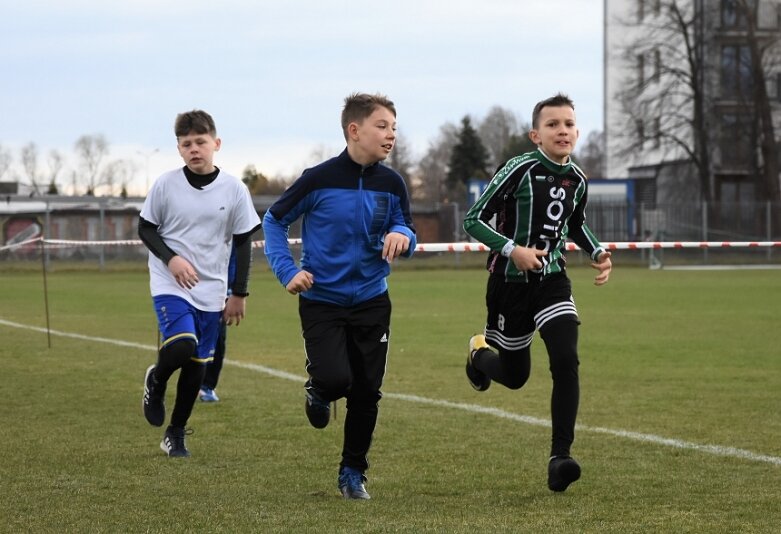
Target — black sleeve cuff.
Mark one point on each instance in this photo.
(243, 245)
(149, 235)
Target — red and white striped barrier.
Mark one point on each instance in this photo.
(451, 247)
(625, 245)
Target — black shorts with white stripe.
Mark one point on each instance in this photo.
(517, 309)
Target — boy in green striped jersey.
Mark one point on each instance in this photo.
(533, 204)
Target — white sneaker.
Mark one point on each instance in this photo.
(208, 395)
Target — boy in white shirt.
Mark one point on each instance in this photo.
(190, 219)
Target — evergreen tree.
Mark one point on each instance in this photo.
(517, 145)
(469, 158)
(255, 181)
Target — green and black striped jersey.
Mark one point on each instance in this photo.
(536, 203)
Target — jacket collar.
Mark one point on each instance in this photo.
(552, 165)
(345, 158)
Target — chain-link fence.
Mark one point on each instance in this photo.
(80, 222)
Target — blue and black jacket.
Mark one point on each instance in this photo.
(347, 209)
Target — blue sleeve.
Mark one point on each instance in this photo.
(401, 221)
(277, 250)
(276, 225)
(232, 265)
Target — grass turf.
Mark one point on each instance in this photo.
(689, 356)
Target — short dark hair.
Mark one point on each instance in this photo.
(359, 106)
(194, 122)
(555, 101)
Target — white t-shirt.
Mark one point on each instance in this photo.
(198, 224)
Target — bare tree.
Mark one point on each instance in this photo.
(30, 165)
(591, 155)
(129, 173)
(108, 176)
(5, 161)
(319, 154)
(664, 98)
(74, 183)
(55, 162)
(680, 108)
(402, 161)
(433, 166)
(116, 176)
(497, 130)
(91, 149)
(759, 48)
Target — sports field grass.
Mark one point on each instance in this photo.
(680, 415)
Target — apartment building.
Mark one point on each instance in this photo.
(681, 101)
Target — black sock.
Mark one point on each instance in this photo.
(509, 368)
(172, 357)
(561, 340)
(190, 378)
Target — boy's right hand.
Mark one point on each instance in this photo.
(301, 282)
(527, 259)
(183, 271)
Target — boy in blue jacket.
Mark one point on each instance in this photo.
(356, 221)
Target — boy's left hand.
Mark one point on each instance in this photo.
(395, 245)
(234, 310)
(604, 266)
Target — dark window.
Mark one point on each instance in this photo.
(735, 140)
(640, 70)
(640, 129)
(776, 86)
(657, 65)
(736, 80)
(772, 86)
(735, 190)
(734, 17)
(657, 132)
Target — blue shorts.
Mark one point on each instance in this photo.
(178, 319)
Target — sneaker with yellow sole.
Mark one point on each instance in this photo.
(477, 379)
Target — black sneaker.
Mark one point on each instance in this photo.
(562, 471)
(317, 410)
(153, 401)
(351, 484)
(478, 380)
(173, 442)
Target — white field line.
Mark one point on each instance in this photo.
(717, 450)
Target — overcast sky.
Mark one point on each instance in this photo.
(274, 73)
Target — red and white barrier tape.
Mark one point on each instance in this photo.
(625, 245)
(451, 247)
